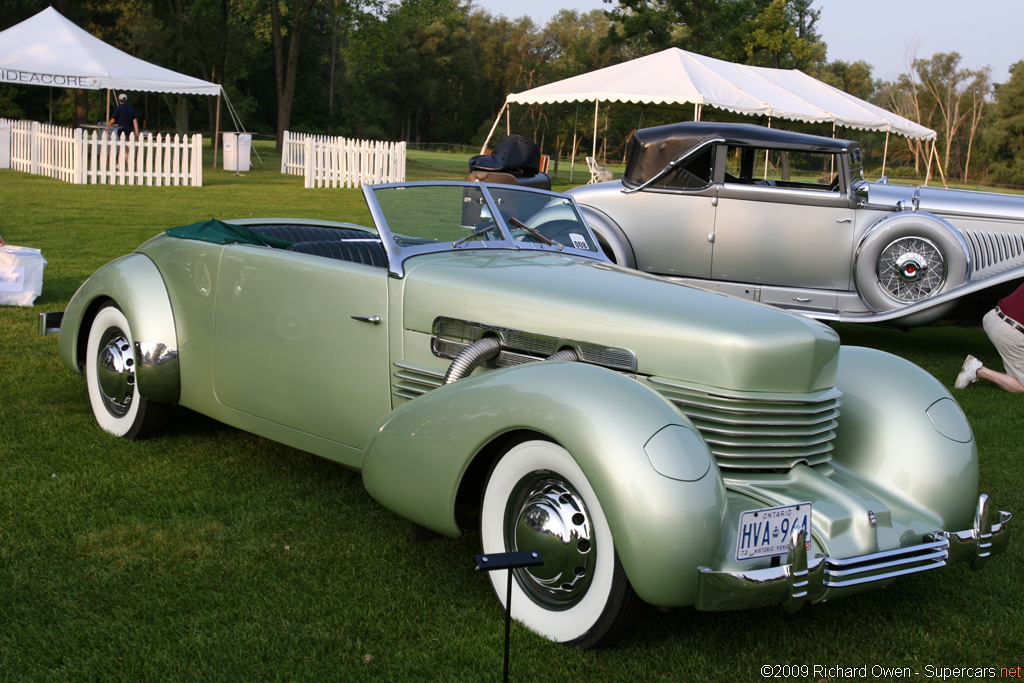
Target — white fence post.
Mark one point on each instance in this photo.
(308, 165)
(79, 153)
(34, 158)
(77, 157)
(339, 162)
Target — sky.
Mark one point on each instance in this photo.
(883, 33)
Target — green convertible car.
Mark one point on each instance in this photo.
(485, 367)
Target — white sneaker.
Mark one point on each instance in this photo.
(968, 373)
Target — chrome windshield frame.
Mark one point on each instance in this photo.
(399, 253)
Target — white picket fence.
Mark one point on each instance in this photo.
(341, 162)
(98, 157)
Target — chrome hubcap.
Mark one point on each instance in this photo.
(911, 269)
(115, 372)
(549, 516)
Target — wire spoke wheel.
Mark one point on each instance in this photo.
(911, 269)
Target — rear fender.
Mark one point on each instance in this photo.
(134, 284)
(657, 483)
(613, 241)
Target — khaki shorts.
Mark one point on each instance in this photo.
(1008, 341)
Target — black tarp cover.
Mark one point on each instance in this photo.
(513, 154)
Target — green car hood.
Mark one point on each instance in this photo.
(675, 331)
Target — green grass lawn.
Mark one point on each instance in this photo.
(211, 554)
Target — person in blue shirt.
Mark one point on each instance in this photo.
(124, 117)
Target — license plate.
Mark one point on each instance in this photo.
(766, 532)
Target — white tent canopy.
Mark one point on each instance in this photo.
(677, 77)
(50, 50)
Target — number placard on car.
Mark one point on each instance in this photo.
(766, 532)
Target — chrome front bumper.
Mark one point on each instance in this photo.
(49, 323)
(801, 579)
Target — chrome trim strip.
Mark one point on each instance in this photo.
(886, 554)
(798, 575)
(865, 569)
(812, 398)
(411, 381)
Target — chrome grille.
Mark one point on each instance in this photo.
(759, 433)
(992, 252)
(885, 565)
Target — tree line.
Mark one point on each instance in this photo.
(438, 71)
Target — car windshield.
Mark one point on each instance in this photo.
(446, 215)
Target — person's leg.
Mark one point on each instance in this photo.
(1009, 342)
(1003, 381)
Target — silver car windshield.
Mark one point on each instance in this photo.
(418, 217)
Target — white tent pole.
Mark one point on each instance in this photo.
(766, 151)
(594, 149)
(216, 132)
(483, 148)
(832, 157)
(508, 121)
(575, 130)
(885, 153)
(697, 109)
(928, 168)
(938, 164)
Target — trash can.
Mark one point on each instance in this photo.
(237, 151)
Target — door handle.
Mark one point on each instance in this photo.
(372, 319)
(843, 220)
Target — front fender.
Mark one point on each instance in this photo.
(134, 284)
(903, 434)
(660, 490)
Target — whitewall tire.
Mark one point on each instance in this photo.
(110, 376)
(537, 498)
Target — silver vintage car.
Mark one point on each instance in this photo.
(788, 219)
(486, 368)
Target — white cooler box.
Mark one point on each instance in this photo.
(21, 275)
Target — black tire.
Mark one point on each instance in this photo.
(110, 362)
(581, 595)
(909, 257)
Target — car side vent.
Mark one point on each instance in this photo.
(411, 380)
(756, 433)
(993, 252)
(452, 336)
